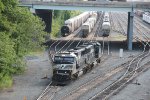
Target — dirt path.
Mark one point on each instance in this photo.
(29, 85)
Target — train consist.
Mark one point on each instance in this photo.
(106, 25)
(146, 17)
(71, 64)
(88, 26)
(74, 23)
(86, 21)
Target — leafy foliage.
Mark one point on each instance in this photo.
(20, 32)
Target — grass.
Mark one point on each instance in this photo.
(35, 52)
(6, 82)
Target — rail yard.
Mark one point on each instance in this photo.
(103, 79)
(75, 49)
(85, 63)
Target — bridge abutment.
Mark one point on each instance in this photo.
(46, 16)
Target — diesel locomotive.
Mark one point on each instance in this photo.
(71, 64)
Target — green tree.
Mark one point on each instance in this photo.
(20, 32)
(7, 60)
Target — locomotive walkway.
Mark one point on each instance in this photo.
(90, 5)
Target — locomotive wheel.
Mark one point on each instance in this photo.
(98, 60)
(92, 65)
(89, 67)
(84, 70)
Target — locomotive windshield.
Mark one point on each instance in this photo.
(63, 60)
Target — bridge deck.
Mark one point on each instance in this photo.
(90, 5)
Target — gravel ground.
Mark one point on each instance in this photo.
(134, 91)
(106, 83)
(110, 63)
(99, 87)
(29, 85)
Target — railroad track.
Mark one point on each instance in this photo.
(122, 23)
(117, 27)
(108, 91)
(139, 28)
(71, 41)
(49, 92)
(145, 25)
(98, 80)
(104, 94)
(117, 85)
(90, 35)
(93, 35)
(99, 29)
(133, 70)
(73, 95)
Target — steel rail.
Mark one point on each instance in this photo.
(123, 76)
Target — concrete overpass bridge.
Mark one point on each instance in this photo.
(85, 5)
(44, 10)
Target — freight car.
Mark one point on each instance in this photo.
(106, 25)
(139, 13)
(88, 26)
(146, 17)
(74, 23)
(75, 62)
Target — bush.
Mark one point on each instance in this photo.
(6, 81)
(20, 33)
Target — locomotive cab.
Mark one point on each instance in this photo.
(65, 66)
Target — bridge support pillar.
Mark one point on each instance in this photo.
(46, 16)
(130, 30)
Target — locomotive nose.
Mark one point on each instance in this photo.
(65, 30)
